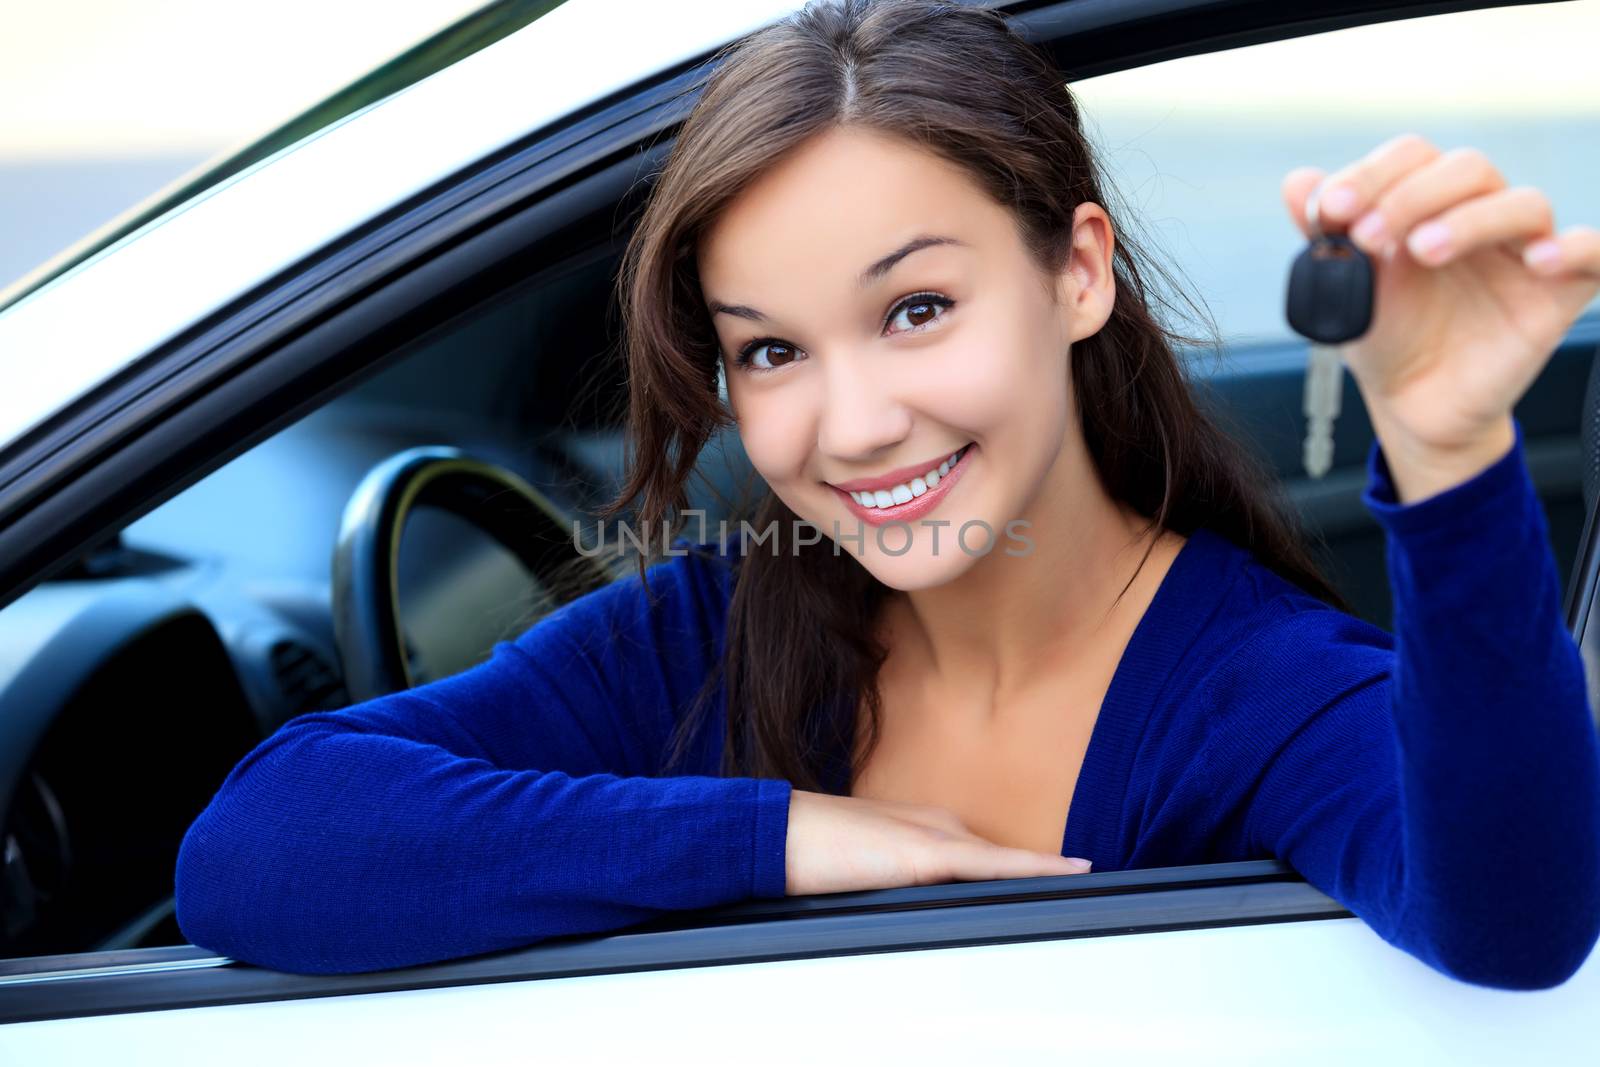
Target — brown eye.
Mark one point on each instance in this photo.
(919, 311)
(779, 354)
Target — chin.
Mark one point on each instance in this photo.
(917, 569)
(914, 555)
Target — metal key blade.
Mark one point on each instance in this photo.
(1324, 384)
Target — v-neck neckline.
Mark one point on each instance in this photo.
(1183, 604)
(1179, 611)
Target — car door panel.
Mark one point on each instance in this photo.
(1327, 991)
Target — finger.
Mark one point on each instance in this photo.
(1353, 190)
(1513, 217)
(1296, 191)
(1577, 250)
(980, 861)
(1431, 189)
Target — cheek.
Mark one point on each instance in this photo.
(992, 378)
(773, 433)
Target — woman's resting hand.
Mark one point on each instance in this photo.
(838, 843)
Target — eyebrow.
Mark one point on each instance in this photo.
(873, 273)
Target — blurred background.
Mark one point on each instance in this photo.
(1198, 147)
(109, 101)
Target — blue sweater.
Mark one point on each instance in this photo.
(1442, 783)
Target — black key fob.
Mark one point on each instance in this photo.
(1330, 291)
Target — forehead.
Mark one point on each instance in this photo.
(845, 198)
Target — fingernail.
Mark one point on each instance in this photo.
(1339, 200)
(1078, 862)
(1369, 232)
(1542, 254)
(1429, 240)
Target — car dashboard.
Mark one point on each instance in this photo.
(121, 711)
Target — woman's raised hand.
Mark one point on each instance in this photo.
(839, 843)
(1474, 291)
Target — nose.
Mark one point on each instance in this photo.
(862, 411)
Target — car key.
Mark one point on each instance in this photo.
(1329, 302)
(1320, 405)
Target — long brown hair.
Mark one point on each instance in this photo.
(801, 657)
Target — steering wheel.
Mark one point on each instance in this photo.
(366, 605)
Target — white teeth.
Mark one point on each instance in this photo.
(899, 494)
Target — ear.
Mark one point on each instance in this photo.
(1087, 286)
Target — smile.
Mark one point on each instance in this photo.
(907, 499)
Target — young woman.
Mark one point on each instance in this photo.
(883, 229)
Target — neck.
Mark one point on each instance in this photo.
(1011, 623)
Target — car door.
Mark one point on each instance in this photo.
(1226, 961)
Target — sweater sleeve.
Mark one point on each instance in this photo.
(1453, 801)
(512, 802)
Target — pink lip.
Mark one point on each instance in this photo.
(917, 506)
(894, 477)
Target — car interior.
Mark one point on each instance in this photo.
(152, 665)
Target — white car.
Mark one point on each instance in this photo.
(417, 279)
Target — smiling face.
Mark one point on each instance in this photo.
(879, 316)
